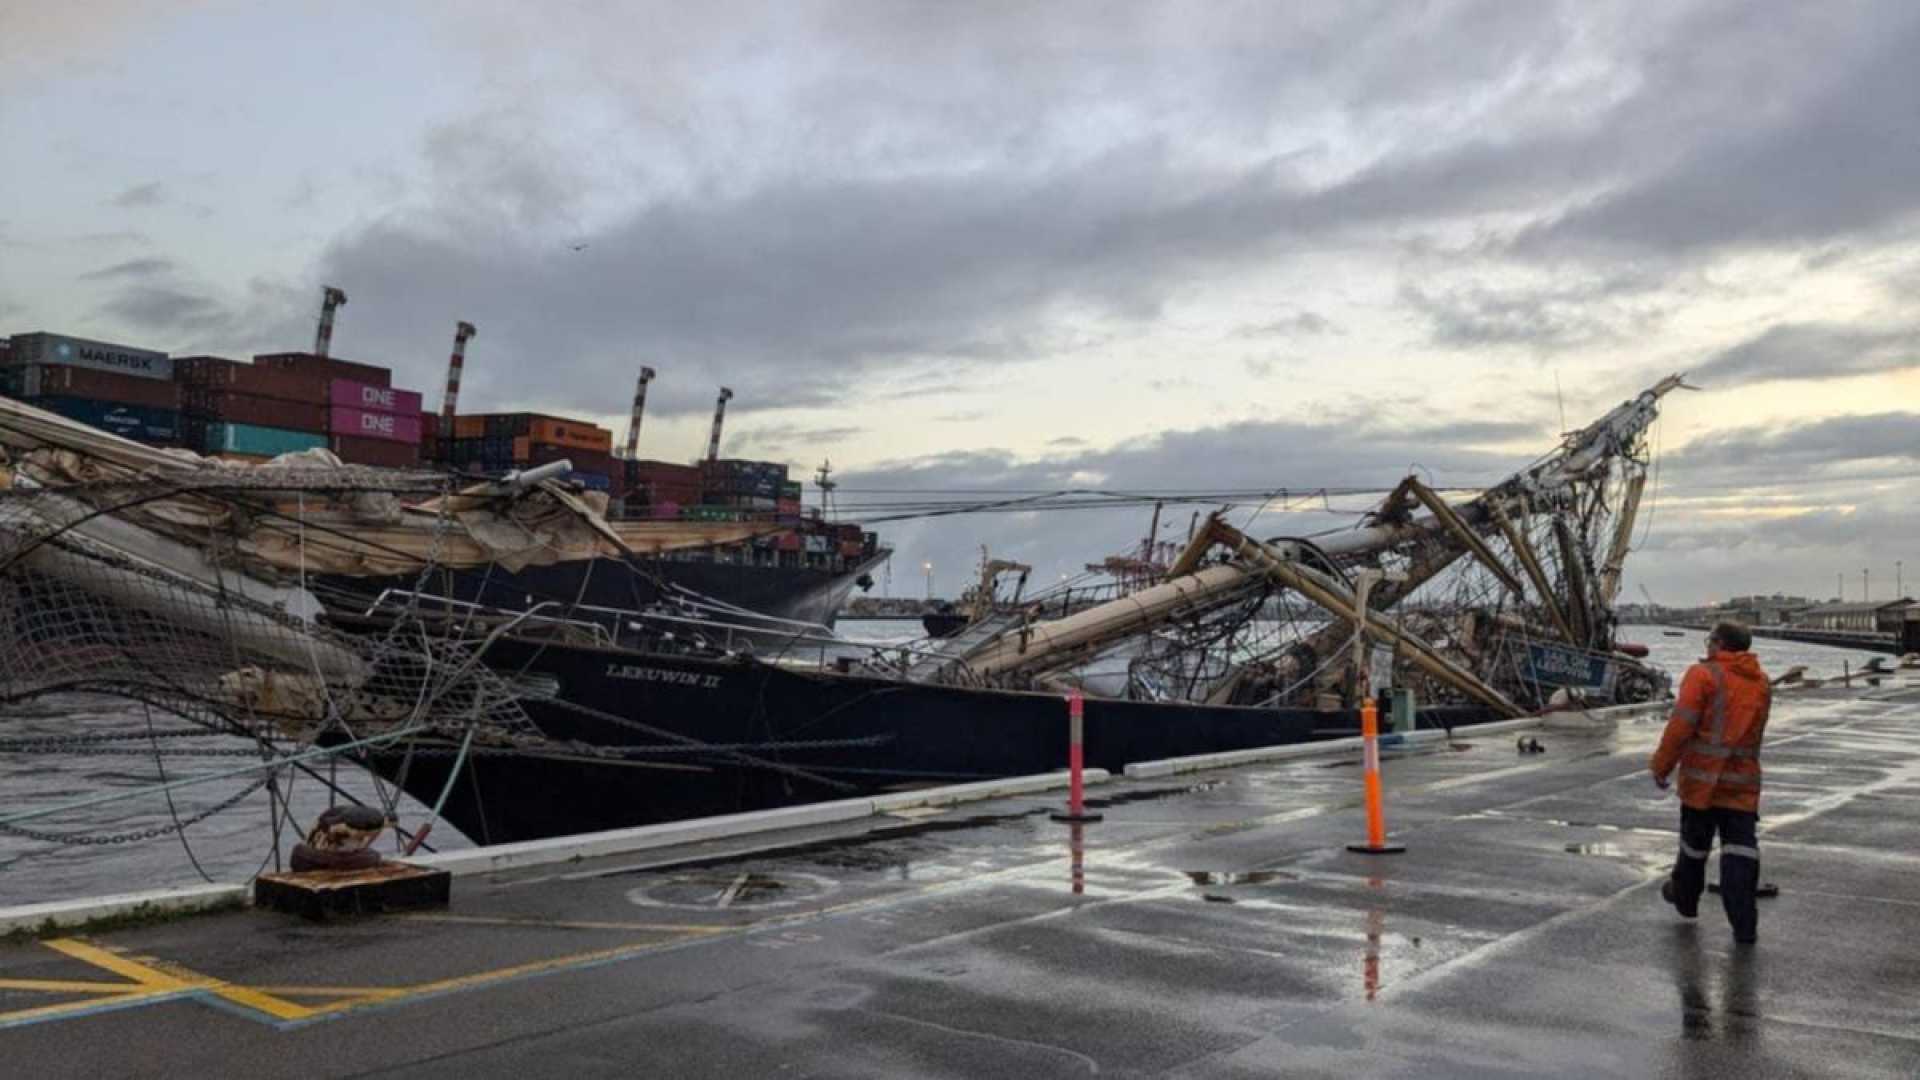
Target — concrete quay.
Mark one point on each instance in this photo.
(1213, 925)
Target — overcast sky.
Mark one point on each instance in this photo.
(1016, 245)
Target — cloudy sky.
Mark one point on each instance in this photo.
(1015, 246)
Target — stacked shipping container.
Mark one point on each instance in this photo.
(127, 391)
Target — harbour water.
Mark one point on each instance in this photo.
(235, 843)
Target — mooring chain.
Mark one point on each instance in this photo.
(92, 840)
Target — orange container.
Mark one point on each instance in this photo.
(522, 448)
(469, 427)
(571, 433)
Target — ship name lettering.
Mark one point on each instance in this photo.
(662, 675)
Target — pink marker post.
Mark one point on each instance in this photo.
(1076, 762)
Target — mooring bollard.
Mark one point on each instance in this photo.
(1376, 815)
(1076, 761)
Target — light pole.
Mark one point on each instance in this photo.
(1866, 591)
(1899, 582)
(929, 569)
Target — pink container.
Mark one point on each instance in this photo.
(361, 424)
(369, 398)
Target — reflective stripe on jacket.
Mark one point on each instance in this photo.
(1715, 731)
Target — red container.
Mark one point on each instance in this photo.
(50, 380)
(386, 453)
(370, 398)
(327, 367)
(664, 510)
(214, 373)
(361, 424)
(787, 506)
(429, 425)
(253, 409)
(788, 541)
(850, 548)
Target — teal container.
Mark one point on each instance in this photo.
(252, 439)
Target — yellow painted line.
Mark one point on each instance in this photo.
(54, 1012)
(159, 975)
(544, 924)
(123, 966)
(69, 986)
(278, 1008)
(369, 992)
(558, 963)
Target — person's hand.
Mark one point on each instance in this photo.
(1660, 782)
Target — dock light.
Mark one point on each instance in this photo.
(928, 567)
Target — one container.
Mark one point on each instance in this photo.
(592, 481)
(230, 438)
(788, 541)
(386, 453)
(51, 380)
(370, 398)
(850, 548)
(361, 424)
(469, 427)
(45, 348)
(327, 366)
(222, 405)
(139, 422)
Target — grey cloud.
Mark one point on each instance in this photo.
(1836, 161)
(1786, 452)
(1544, 319)
(132, 268)
(1811, 351)
(1302, 324)
(140, 196)
(164, 309)
(779, 438)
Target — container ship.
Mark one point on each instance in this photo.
(768, 553)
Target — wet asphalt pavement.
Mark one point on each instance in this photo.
(1215, 927)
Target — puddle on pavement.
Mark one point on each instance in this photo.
(1152, 794)
(1611, 850)
(1247, 877)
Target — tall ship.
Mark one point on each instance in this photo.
(735, 532)
(207, 590)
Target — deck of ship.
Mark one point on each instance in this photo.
(1209, 927)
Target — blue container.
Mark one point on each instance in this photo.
(261, 441)
(592, 481)
(141, 422)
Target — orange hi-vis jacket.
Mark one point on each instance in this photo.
(1715, 731)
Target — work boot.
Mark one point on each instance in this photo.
(1690, 911)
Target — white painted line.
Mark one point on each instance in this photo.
(63, 914)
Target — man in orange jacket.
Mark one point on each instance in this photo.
(1714, 738)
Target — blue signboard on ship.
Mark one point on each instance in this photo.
(1557, 665)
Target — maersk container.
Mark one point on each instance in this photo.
(252, 439)
(43, 348)
(140, 422)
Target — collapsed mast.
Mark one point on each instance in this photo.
(1500, 600)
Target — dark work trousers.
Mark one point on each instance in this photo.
(1739, 864)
